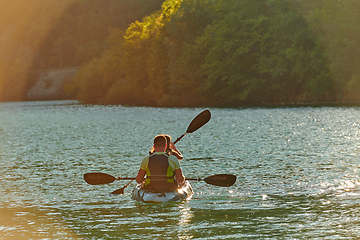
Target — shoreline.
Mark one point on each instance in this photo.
(263, 105)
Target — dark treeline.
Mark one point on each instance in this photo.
(206, 52)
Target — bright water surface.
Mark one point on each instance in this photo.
(298, 172)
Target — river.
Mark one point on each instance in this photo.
(297, 172)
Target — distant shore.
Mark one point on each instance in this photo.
(263, 105)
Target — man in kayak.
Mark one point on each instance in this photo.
(170, 148)
(163, 172)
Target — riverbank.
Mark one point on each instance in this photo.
(264, 105)
(51, 82)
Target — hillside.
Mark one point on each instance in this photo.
(231, 53)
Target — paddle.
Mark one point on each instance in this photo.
(221, 180)
(199, 121)
(101, 178)
(121, 190)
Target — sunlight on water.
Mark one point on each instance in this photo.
(297, 170)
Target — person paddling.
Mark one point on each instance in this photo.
(163, 172)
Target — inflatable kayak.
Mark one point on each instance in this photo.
(145, 195)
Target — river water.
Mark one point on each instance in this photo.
(297, 168)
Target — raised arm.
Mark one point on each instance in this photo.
(176, 152)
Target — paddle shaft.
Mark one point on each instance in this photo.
(129, 178)
(191, 179)
(126, 178)
(223, 180)
(179, 138)
(194, 179)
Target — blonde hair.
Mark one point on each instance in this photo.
(168, 140)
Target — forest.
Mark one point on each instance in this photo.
(185, 53)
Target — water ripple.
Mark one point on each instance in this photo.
(297, 169)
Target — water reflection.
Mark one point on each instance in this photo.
(185, 223)
(33, 223)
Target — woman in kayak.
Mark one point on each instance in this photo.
(162, 171)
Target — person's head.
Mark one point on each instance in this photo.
(168, 140)
(160, 142)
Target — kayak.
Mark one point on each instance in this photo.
(144, 195)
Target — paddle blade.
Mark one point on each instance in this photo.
(98, 178)
(222, 180)
(199, 121)
(119, 191)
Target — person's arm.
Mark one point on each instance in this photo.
(174, 163)
(142, 172)
(140, 176)
(176, 152)
(179, 177)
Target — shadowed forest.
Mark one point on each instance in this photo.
(185, 52)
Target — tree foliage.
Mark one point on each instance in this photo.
(336, 26)
(202, 52)
(224, 52)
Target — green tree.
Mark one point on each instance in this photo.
(336, 26)
(258, 51)
(227, 52)
(122, 57)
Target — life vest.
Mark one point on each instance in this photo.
(160, 176)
